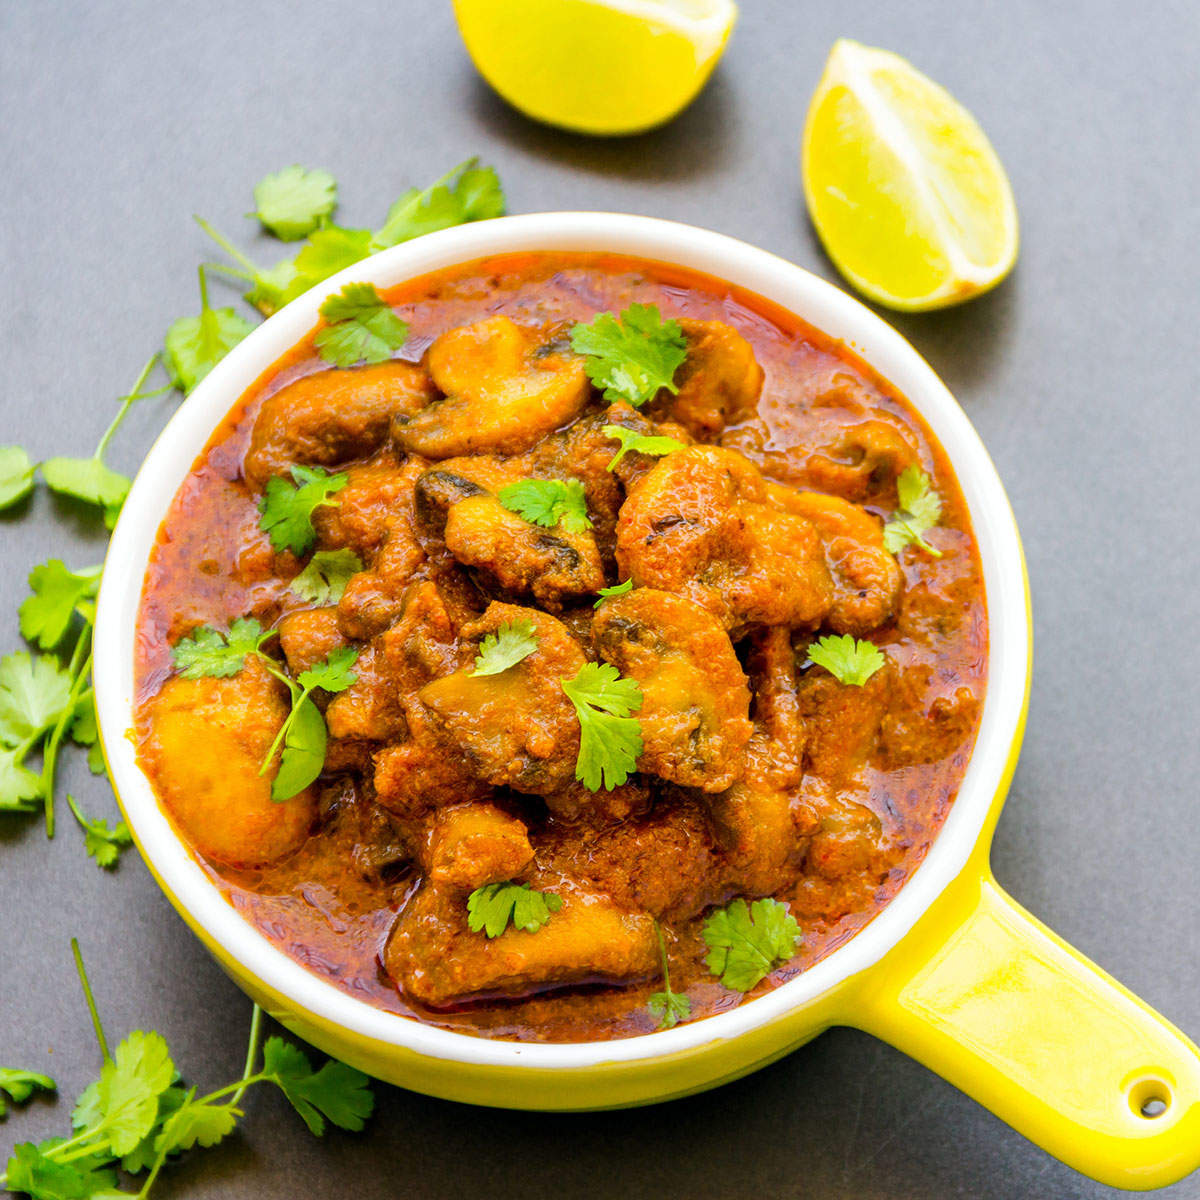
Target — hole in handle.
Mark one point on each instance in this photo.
(1149, 1098)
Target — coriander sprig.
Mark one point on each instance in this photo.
(849, 660)
(491, 907)
(137, 1115)
(920, 510)
(670, 1007)
(610, 738)
(512, 642)
(548, 502)
(287, 508)
(654, 445)
(631, 357)
(746, 942)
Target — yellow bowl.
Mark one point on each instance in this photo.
(953, 971)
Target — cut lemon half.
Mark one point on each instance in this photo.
(597, 66)
(903, 186)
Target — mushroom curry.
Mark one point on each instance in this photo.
(562, 647)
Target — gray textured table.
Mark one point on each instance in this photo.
(117, 121)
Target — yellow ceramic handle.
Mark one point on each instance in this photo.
(1016, 1018)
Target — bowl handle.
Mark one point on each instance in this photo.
(989, 998)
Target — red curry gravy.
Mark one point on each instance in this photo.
(891, 753)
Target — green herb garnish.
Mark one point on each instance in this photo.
(668, 1006)
(920, 510)
(287, 509)
(293, 202)
(610, 738)
(194, 345)
(490, 908)
(634, 357)
(324, 580)
(617, 589)
(512, 642)
(747, 941)
(849, 660)
(642, 443)
(363, 328)
(546, 502)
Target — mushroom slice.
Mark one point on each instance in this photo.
(332, 416)
(517, 728)
(505, 387)
(695, 700)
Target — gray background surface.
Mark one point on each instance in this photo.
(117, 121)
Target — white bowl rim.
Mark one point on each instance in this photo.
(815, 301)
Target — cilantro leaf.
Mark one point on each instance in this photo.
(194, 345)
(334, 673)
(490, 908)
(207, 653)
(920, 510)
(20, 1085)
(287, 509)
(746, 942)
(87, 479)
(20, 788)
(291, 203)
(102, 843)
(610, 739)
(324, 580)
(336, 1092)
(847, 659)
(475, 195)
(512, 642)
(273, 287)
(127, 1092)
(305, 739)
(363, 327)
(640, 443)
(56, 593)
(546, 502)
(32, 1171)
(633, 357)
(617, 589)
(16, 475)
(33, 694)
(330, 250)
(193, 1122)
(669, 1006)
(85, 732)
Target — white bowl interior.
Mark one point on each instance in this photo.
(816, 302)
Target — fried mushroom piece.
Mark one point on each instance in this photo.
(862, 462)
(205, 743)
(506, 386)
(510, 555)
(309, 636)
(469, 845)
(516, 729)
(694, 714)
(867, 580)
(377, 493)
(435, 957)
(332, 416)
(704, 524)
(719, 382)
(760, 823)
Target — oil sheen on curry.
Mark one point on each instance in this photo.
(559, 654)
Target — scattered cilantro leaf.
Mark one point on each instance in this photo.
(324, 580)
(330, 250)
(16, 475)
(194, 345)
(20, 1085)
(86, 479)
(194, 1122)
(640, 443)
(57, 592)
(287, 509)
(475, 195)
(20, 788)
(610, 738)
(102, 843)
(305, 741)
(333, 674)
(617, 589)
(34, 691)
(746, 942)
(128, 1089)
(206, 652)
(490, 908)
(669, 1006)
(512, 642)
(362, 327)
(546, 502)
(632, 357)
(273, 287)
(920, 510)
(847, 659)
(33, 1171)
(293, 202)
(335, 1092)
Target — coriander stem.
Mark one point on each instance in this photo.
(662, 954)
(238, 1087)
(126, 403)
(79, 671)
(204, 305)
(297, 700)
(227, 270)
(251, 1052)
(227, 246)
(91, 1001)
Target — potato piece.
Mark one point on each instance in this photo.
(436, 958)
(205, 743)
(703, 524)
(719, 382)
(694, 714)
(505, 389)
(473, 844)
(867, 580)
(331, 417)
(516, 729)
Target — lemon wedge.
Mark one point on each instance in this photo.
(596, 66)
(905, 190)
